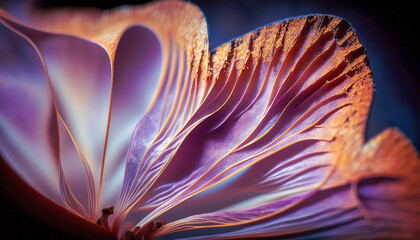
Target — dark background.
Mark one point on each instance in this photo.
(387, 29)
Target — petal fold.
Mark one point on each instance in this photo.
(264, 137)
(28, 121)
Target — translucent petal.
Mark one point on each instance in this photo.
(262, 138)
(28, 126)
(381, 204)
(79, 73)
(239, 133)
(137, 73)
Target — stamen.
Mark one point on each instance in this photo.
(103, 220)
(145, 232)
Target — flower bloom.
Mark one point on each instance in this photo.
(126, 112)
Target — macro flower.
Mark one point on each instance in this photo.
(125, 119)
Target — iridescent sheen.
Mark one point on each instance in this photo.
(262, 137)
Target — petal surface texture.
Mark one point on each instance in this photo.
(263, 137)
(27, 119)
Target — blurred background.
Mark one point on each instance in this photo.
(387, 29)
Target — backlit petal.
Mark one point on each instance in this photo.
(262, 137)
(28, 136)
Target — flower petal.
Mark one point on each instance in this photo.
(317, 77)
(79, 73)
(248, 115)
(137, 71)
(304, 107)
(333, 104)
(28, 136)
(176, 82)
(64, 31)
(266, 133)
(373, 203)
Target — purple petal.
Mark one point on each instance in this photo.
(137, 73)
(330, 213)
(80, 76)
(77, 185)
(27, 124)
(154, 130)
(327, 213)
(241, 132)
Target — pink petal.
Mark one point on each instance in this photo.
(80, 76)
(28, 136)
(137, 71)
(241, 133)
